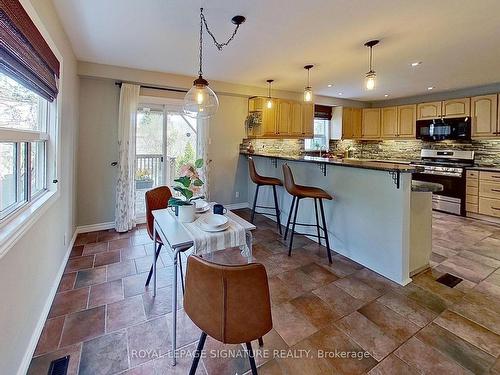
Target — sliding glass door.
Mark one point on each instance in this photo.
(165, 139)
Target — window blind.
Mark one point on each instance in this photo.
(323, 112)
(24, 54)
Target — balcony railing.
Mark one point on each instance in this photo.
(152, 165)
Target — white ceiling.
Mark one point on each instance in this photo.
(458, 41)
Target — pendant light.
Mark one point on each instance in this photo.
(308, 94)
(371, 76)
(269, 102)
(200, 101)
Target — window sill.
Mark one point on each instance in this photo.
(15, 228)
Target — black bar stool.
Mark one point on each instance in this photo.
(300, 192)
(264, 181)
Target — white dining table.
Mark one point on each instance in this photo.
(174, 235)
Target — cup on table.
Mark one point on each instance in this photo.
(219, 209)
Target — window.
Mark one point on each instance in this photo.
(321, 136)
(24, 140)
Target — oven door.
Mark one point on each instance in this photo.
(452, 198)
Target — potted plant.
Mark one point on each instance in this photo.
(188, 186)
(143, 179)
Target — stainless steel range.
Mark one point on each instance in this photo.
(446, 167)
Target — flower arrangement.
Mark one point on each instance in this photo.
(143, 175)
(188, 184)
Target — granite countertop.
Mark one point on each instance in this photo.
(353, 163)
(426, 187)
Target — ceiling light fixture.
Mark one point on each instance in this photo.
(371, 75)
(269, 103)
(386, 95)
(308, 94)
(340, 93)
(201, 101)
(416, 63)
(330, 85)
(430, 88)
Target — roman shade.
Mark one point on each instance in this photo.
(323, 112)
(25, 55)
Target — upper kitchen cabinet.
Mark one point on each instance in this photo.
(389, 122)
(296, 120)
(407, 118)
(346, 123)
(267, 126)
(456, 108)
(307, 120)
(370, 123)
(284, 117)
(484, 115)
(431, 110)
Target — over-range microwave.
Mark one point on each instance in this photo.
(447, 128)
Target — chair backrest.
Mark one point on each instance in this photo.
(289, 181)
(228, 302)
(252, 171)
(156, 199)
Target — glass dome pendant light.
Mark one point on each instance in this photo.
(269, 102)
(308, 94)
(200, 101)
(371, 76)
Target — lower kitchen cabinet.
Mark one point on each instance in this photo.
(483, 194)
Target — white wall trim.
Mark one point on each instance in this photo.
(95, 227)
(237, 206)
(23, 368)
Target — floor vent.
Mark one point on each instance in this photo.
(449, 280)
(59, 366)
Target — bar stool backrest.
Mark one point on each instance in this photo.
(253, 172)
(289, 181)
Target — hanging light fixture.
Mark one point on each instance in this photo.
(371, 76)
(269, 102)
(308, 94)
(201, 101)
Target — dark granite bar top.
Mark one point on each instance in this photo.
(352, 163)
(485, 168)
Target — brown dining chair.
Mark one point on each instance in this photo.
(157, 199)
(229, 303)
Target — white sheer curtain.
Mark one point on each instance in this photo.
(202, 134)
(125, 186)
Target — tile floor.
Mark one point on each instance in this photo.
(104, 318)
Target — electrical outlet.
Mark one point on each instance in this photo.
(237, 194)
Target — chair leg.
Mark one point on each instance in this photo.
(197, 353)
(277, 209)
(289, 218)
(317, 219)
(151, 270)
(293, 227)
(182, 273)
(325, 230)
(261, 341)
(251, 358)
(254, 203)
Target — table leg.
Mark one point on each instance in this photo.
(155, 256)
(174, 309)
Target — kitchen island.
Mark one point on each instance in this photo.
(369, 220)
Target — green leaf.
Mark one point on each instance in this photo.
(198, 163)
(188, 194)
(177, 202)
(186, 181)
(198, 182)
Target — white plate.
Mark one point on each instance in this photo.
(206, 228)
(203, 209)
(214, 221)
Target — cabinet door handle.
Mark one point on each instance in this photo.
(494, 208)
(497, 190)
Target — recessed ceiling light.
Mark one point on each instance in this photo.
(330, 85)
(416, 63)
(430, 88)
(386, 95)
(340, 93)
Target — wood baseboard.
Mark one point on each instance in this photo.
(491, 219)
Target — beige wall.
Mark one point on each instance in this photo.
(97, 148)
(29, 269)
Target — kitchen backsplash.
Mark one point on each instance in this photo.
(487, 152)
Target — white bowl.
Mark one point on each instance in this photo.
(200, 204)
(215, 221)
